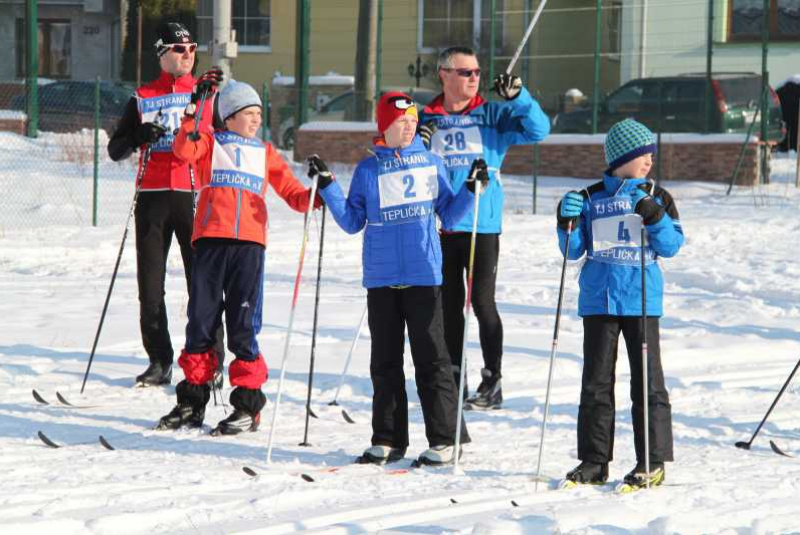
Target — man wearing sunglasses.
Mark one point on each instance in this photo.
(461, 126)
(165, 205)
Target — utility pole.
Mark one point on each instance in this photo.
(224, 47)
(367, 39)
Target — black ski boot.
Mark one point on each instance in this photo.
(587, 473)
(182, 415)
(380, 455)
(637, 478)
(489, 395)
(156, 374)
(237, 422)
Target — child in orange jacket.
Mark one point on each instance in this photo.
(229, 240)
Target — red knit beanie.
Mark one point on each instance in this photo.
(391, 107)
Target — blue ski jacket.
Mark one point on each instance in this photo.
(609, 233)
(397, 194)
(483, 130)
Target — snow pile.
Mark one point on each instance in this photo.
(729, 340)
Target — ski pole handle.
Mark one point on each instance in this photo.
(198, 115)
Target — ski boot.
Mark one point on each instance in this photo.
(156, 374)
(586, 473)
(489, 395)
(237, 422)
(638, 477)
(380, 455)
(182, 415)
(437, 456)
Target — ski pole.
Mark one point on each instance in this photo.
(309, 412)
(291, 316)
(746, 445)
(347, 365)
(194, 136)
(526, 36)
(145, 160)
(645, 385)
(461, 372)
(553, 349)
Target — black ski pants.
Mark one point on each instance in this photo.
(419, 308)
(159, 215)
(455, 267)
(596, 412)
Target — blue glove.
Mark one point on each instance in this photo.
(569, 209)
(571, 205)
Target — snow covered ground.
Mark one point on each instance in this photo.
(729, 340)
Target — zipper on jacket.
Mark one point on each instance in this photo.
(238, 213)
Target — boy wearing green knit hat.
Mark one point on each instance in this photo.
(604, 223)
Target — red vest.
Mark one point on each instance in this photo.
(163, 100)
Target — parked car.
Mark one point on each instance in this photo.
(68, 106)
(677, 104)
(340, 108)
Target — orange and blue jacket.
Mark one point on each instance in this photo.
(233, 172)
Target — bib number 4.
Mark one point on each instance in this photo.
(623, 234)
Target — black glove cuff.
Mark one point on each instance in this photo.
(650, 210)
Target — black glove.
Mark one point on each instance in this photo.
(507, 86)
(426, 131)
(646, 206)
(478, 171)
(207, 83)
(147, 133)
(318, 168)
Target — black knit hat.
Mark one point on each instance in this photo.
(171, 33)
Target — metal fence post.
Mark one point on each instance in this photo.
(96, 174)
(32, 64)
(596, 83)
(265, 126)
(765, 92)
(379, 54)
(709, 64)
(492, 35)
(301, 62)
(535, 174)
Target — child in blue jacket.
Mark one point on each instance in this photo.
(607, 219)
(396, 194)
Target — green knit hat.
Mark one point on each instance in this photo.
(626, 141)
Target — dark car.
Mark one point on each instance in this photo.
(68, 106)
(341, 108)
(677, 104)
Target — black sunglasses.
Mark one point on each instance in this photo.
(466, 73)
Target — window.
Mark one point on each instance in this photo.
(613, 23)
(746, 17)
(55, 48)
(627, 99)
(445, 23)
(250, 19)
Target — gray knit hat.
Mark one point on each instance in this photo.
(236, 96)
(626, 141)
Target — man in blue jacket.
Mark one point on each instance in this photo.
(460, 126)
(607, 220)
(397, 194)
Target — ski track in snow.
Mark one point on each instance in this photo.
(729, 340)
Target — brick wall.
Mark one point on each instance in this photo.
(683, 156)
(17, 126)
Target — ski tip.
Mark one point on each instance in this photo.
(307, 477)
(312, 413)
(39, 398)
(62, 399)
(347, 417)
(249, 471)
(566, 484)
(515, 504)
(46, 440)
(777, 450)
(453, 501)
(105, 443)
